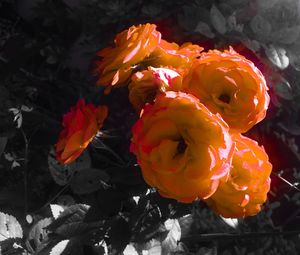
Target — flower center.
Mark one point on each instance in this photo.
(224, 98)
(181, 147)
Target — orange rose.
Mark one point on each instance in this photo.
(229, 84)
(172, 55)
(182, 148)
(131, 47)
(249, 182)
(146, 84)
(81, 125)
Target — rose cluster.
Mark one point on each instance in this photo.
(193, 106)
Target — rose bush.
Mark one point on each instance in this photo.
(248, 184)
(80, 126)
(182, 148)
(193, 105)
(229, 84)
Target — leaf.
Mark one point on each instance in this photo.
(169, 244)
(59, 248)
(59, 222)
(130, 250)
(284, 90)
(218, 20)
(3, 142)
(232, 222)
(56, 210)
(26, 108)
(277, 56)
(73, 214)
(153, 247)
(38, 233)
(260, 27)
(65, 200)
(68, 247)
(119, 234)
(63, 173)
(82, 162)
(204, 29)
(185, 223)
(9, 227)
(232, 24)
(294, 58)
(18, 117)
(71, 223)
(286, 35)
(76, 229)
(252, 44)
(86, 181)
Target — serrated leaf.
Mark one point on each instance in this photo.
(56, 210)
(232, 222)
(169, 244)
(63, 173)
(130, 250)
(9, 227)
(277, 56)
(38, 233)
(59, 248)
(218, 20)
(3, 142)
(86, 181)
(71, 246)
(204, 29)
(74, 213)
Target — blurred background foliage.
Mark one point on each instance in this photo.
(100, 204)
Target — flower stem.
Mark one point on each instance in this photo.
(26, 152)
